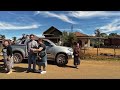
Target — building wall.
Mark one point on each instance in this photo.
(54, 37)
(85, 42)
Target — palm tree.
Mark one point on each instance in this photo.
(98, 34)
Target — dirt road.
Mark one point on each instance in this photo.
(89, 69)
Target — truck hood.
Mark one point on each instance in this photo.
(64, 48)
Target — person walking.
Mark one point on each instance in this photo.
(76, 55)
(42, 60)
(31, 55)
(7, 56)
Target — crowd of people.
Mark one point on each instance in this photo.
(36, 55)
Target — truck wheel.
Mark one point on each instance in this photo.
(17, 57)
(61, 60)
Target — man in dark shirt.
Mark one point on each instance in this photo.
(42, 53)
(76, 55)
(8, 57)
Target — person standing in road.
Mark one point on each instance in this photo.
(42, 60)
(31, 55)
(8, 56)
(76, 55)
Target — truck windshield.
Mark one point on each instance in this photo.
(48, 42)
(18, 42)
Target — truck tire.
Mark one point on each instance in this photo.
(17, 57)
(61, 60)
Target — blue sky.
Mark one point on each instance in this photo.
(15, 23)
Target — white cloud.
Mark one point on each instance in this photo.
(8, 26)
(62, 17)
(39, 35)
(90, 14)
(104, 18)
(91, 34)
(74, 30)
(113, 26)
(11, 13)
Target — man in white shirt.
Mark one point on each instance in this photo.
(31, 55)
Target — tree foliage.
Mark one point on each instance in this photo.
(14, 38)
(2, 36)
(113, 35)
(104, 35)
(68, 38)
(97, 33)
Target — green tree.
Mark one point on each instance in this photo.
(69, 38)
(64, 36)
(103, 35)
(2, 36)
(72, 38)
(14, 38)
(113, 35)
(97, 33)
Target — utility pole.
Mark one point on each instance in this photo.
(71, 28)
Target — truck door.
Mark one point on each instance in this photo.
(49, 50)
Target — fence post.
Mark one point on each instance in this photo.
(97, 50)
(97, 46)
(84, 53)
(114, 51)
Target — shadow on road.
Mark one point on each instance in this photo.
(48, 61)
(51, 62)
(19, 69)
(67, 66)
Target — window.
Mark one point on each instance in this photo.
(23, 42)
(46, 43)
(18, 42)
